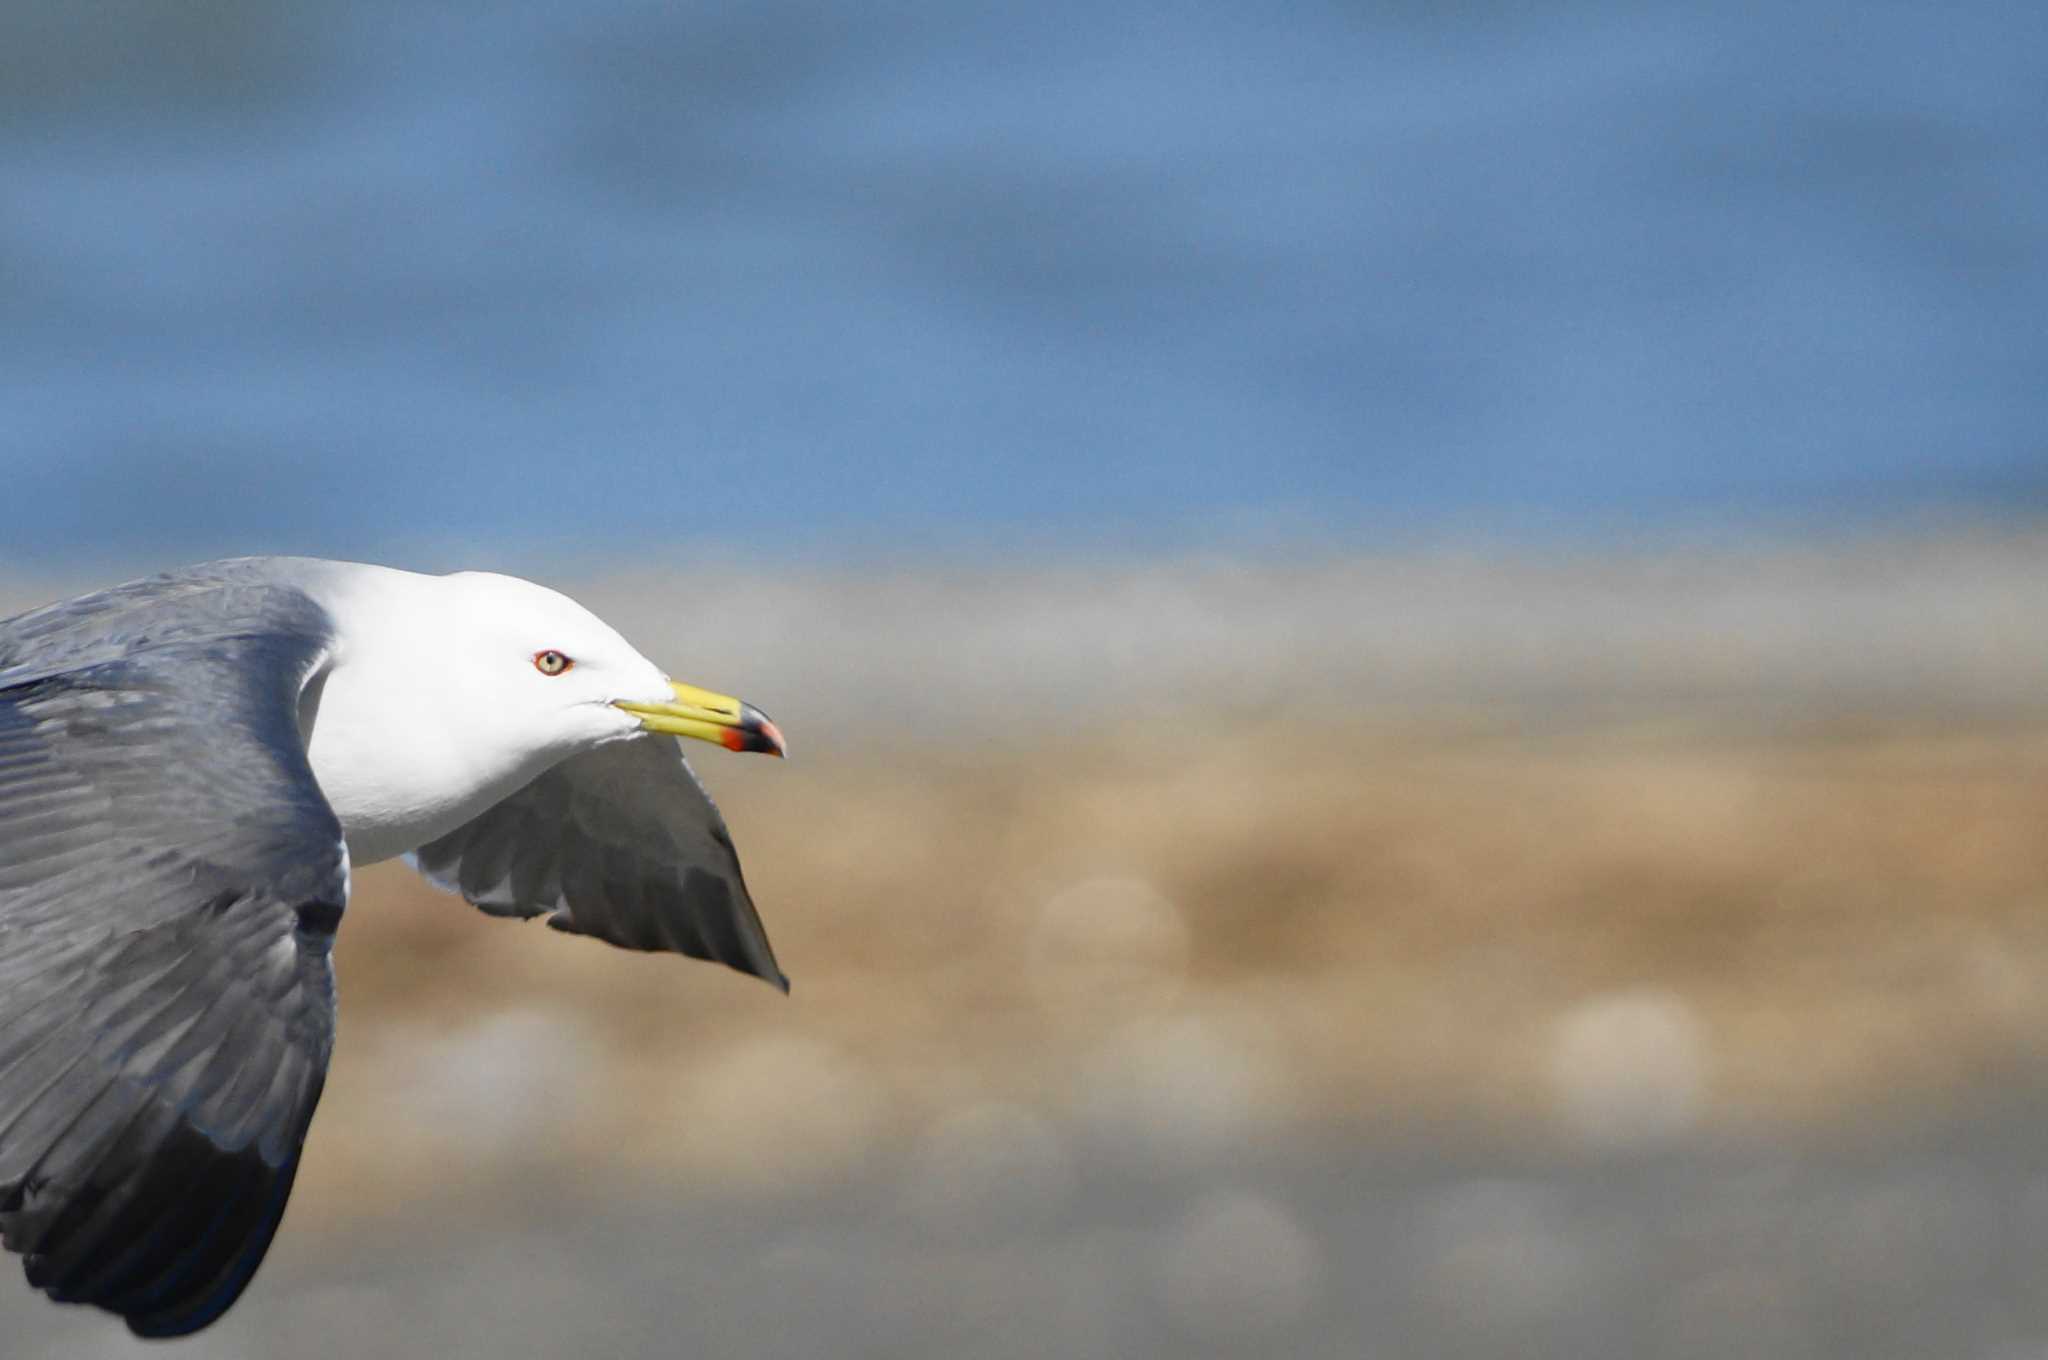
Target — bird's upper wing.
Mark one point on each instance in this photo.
(170, 883)
(621, 843)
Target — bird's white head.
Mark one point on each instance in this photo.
(449, 692)
(551, 670)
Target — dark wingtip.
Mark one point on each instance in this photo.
(755, 958)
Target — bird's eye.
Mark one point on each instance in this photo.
(551, 662)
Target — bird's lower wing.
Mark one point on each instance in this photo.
(621, 843)
(170, 882)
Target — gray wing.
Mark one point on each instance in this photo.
(170, 883)
(621, 843)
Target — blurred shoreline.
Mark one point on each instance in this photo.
(1491, 922)
(1934, 623)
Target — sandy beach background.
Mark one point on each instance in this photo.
(1463, 953)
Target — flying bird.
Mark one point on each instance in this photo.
(189, 766)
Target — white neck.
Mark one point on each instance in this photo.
(385, 734)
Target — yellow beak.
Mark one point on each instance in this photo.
(716, 718)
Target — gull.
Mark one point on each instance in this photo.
(189, 766)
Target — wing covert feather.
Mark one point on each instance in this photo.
(170, 879)
(621, 843)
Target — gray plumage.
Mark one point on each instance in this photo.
(171, 880)
(621, 843)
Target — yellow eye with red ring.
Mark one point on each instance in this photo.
(551, 662)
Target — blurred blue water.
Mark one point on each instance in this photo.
(442, 281)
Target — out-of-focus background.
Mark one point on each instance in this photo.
(1413, 636)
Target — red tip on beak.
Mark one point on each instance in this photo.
(755, 733)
